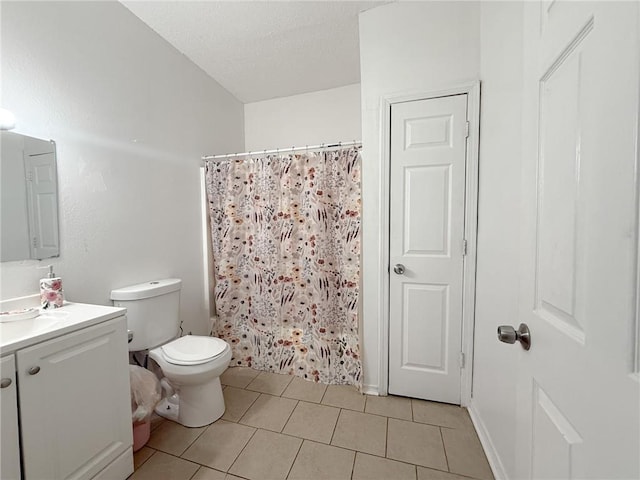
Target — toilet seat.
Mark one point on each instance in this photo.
(193, 350)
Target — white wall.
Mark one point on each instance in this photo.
(131, 117)
(314, 118)
(406, 47)
(495, 364)
(425, 46)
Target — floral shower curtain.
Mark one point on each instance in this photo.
(286, 249)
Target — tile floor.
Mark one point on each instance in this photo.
(283, 427)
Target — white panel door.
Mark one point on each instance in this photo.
(75, 402)
(10, 436)
(578, 396)
(42, 186)
(427, 193)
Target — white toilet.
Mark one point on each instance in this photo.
(192, 364)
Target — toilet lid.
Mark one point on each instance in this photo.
(193, 349)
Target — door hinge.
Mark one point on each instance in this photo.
(466, 130)
(461, 360)
(35, 242)
(29, 176)
(464, 247)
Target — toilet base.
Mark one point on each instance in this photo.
(169, 408)
(194, 405)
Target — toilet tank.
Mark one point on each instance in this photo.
(153, 311)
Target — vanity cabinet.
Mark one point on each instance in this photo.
(9, 441)
(73, 402)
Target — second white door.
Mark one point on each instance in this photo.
(426, 249)
(42, 188)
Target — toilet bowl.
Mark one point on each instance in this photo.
(193, 365)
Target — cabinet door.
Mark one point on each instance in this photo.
(10, 451)
(75, 404)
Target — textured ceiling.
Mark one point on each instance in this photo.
(263, 49)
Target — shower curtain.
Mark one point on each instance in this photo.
(285, 235)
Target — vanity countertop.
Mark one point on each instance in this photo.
(53, 323)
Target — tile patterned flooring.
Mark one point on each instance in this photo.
(283, 427)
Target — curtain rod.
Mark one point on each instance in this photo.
(323, 146)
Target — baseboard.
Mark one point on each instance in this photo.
(370, 390)
(493, 457)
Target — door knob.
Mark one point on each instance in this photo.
(5, 382)
(398, 268)
(33, 370)
(508, 334)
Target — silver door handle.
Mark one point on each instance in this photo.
(399, 268)
(5, 382)
(508, 334)
(33, 370)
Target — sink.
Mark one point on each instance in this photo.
(19, 314)
(49, 323)
(32, 313)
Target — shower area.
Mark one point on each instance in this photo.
(284, 229)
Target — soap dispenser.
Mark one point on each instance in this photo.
(51, 293)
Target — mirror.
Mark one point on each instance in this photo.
(28, 198)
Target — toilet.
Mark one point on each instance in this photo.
(191, 365)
